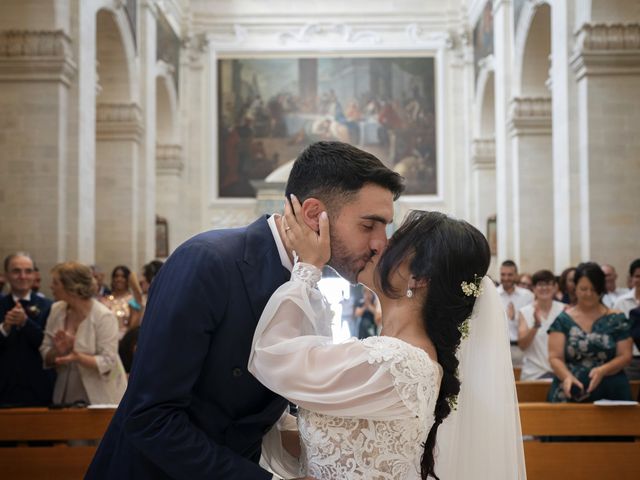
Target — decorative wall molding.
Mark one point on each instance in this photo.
(607, 49)
(311, 32)
(335, 35)
(169, 160)
(602, 36)
(36, 55)
(417, 36)
(483, 153)
(237, 36)
(194, 47)
(530, 116)
(119, 121)
(531, 107)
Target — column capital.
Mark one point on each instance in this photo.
(169, 161)
(119, 121)
(483, 153)
(36, 55)
(530, 116)
(606, 49)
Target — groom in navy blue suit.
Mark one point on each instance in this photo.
(192, 410)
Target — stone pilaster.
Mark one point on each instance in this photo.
(530, 124)
(169, 203)
(119, 131)
(36, 70)
(503, 62)
(606, 63)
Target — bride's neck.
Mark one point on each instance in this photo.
(401, 320)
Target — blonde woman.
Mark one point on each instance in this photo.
(81, 341)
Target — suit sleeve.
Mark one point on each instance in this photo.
(187, 301)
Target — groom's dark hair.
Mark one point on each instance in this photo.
(334, 172)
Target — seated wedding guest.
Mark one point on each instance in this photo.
(525, 281)
(626, 303)
(589, 345)
(23, 315)
(612, 291)
(513, 299)
(534, 320)
(81, 341)
(125, 299)
(567, 286)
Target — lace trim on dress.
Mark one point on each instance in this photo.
(307, 273)
(416, 376)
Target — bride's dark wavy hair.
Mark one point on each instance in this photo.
(444, 252)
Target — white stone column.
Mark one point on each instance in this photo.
(119, 132)
(147, 51)
(606, 62)
(196, 132)
(532, 183)
(36, 71)
(566, 202)
(503, 62)
(169, 167)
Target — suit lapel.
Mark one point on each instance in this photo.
(261, 269)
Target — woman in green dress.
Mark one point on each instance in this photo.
(589, 345)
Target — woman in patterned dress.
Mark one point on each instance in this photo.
(589, 345)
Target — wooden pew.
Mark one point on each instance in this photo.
(580, 460)
(537, 390)
(60, 461)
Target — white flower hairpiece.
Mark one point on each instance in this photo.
(472, 289)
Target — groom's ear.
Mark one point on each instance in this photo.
(311, 210)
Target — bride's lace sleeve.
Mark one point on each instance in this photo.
(294, 356)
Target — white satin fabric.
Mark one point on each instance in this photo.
(482, 439)
(365, 407)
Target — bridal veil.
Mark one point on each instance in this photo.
(482, 438)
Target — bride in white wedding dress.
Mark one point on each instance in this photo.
(373, 408)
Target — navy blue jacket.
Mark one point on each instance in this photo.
(192, 410)
(23, 381)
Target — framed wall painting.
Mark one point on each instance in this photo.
(271, 108)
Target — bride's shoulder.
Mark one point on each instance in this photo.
(394, 350)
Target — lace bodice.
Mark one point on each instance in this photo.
(365, 407)
(341, 447)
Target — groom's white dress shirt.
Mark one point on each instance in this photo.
(284, 258)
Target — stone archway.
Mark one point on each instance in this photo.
(531, 132)
(118, 137)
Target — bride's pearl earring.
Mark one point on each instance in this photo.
(409, 293)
